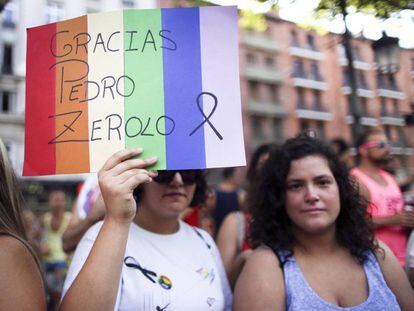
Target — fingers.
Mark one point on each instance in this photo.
(119, 157)
(131, 164)
(134, 181)
(129, 173)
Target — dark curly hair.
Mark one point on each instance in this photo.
(270, 223)
(199, 194)
(254, 162)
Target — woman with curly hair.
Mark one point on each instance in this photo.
(316, 250)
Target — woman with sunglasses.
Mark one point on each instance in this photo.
(142, 257)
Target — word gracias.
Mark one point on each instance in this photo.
(107, 45)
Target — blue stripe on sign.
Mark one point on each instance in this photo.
(182, 85)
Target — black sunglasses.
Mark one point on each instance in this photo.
(189, 177)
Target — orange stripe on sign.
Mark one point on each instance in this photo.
(72, 147)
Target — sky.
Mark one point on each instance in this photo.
(301, 11)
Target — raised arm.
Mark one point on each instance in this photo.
(100, 275)
(260, 285)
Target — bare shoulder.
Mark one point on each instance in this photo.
(260, 285)
(11, 248)
(20, 278)
(395, 277)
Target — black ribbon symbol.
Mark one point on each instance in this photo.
(207, 118)
(147, 273)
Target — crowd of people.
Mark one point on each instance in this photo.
(308, 229)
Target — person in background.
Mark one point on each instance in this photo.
(201, 216)
(315, 249)
(229, 196)
(33, 230)
(232, 238)
(341, 147)
(21, 280)
(381, 190)
(142, 256)
(54, 224)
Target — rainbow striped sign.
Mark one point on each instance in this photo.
(166, 80)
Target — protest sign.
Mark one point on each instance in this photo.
(166, 80)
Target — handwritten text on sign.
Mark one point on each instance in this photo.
(165, 80)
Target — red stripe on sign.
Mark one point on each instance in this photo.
(39, 157)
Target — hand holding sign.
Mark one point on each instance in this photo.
(118, 178)
(166, 80)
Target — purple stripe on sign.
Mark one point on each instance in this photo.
(182, 87)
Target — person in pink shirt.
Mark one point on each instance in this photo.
(382, 191)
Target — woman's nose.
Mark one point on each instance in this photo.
(177, 180)
(311, 194)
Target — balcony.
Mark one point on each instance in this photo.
(260, 41)
(394, 118)
(262, 74)
(363, 89)
(346, 90)
(305, 52)
(389, 89)
(385, 92)
(358, 64)
(11, 118)
(266, 108)
(367, 121)
(301, 79)
(315, 112)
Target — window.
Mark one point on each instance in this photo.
(254, 90)
(356, 53)
(7, 67)
(345, 78)
(310, 42)
(392, 84)
(270, 93)
(269, 61)
(304, 125)
(301, 99)
(395, 109)
(10, 15)
(320, 129)
(383, 107)
(128, 3)
(5, 102)
(362, 82)
(364, 106)
(257, 127)
(315, 75)
(298, 70)
(294, 38)
(277, 130)
(317, 104)
(54, 12)
(251, 58)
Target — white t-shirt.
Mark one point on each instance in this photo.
(174, 272)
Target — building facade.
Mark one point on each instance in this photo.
(292, 79)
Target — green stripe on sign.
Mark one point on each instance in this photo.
(144, 109)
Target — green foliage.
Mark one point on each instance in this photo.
(251, 21)
(380, 8)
